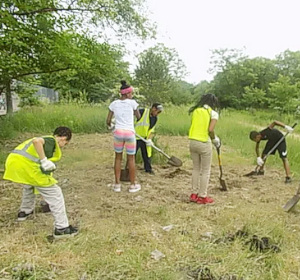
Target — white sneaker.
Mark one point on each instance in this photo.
(117, 188)
(135, 188)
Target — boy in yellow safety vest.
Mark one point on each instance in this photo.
(31, 164)
(144, 127)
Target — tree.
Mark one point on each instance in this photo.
(254, 97)
(236, 73)
(103, 65)
(181, 93)
(36, 36)
(202, 88)
(285, 96)
(230, 76)
(159, 67)
(288, 64)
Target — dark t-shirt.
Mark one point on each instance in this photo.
(272, 135)
(49, 147)
(153, 119)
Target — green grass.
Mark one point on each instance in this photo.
(80, 118)
(118, 232)
(233, 127)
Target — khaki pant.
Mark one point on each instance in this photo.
(53, 196)
(201, 153)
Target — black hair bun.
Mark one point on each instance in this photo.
(124, 85)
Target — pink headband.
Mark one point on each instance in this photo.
(126, 90)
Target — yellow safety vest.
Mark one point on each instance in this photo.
(142, 128)
(200, 124)
(23, 165)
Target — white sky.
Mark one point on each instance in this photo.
(194, 27)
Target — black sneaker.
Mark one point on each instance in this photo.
(65, 232)
(151, 172)
(288, 180)
(22, 216)
(261, 172)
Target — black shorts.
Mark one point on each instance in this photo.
(281, 148)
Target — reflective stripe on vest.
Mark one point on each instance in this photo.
(24, 153)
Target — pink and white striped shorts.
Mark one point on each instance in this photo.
(123, 137)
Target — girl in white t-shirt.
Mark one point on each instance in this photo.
(123, 111)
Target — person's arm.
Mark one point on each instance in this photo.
(288, 128)
(38, 144)
(137, 114)
(271, 126)
(109, 118)
(257, 149)
(150, 136)
(211, 128)
(46, 164)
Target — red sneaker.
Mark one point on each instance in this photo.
(205, 200)
(193, 197)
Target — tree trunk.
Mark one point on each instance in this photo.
(9, 101)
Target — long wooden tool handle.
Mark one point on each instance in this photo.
(220, 163)
(156, 148)
(278, 143)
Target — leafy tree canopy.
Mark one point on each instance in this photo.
(159, 67)
(38, 37)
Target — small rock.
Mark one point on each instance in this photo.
(208, 235)
(119, 252)
(155, 233)
(65, 181)
(157, 255)
(138, 198)
(167, 228)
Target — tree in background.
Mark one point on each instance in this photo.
(288, 64)
(38, 37)
(230, 76)
(241, 82)
(254, 97)
(285, 95)
(159, 68)
(101, 67)
(181, 93)
(200, 89)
